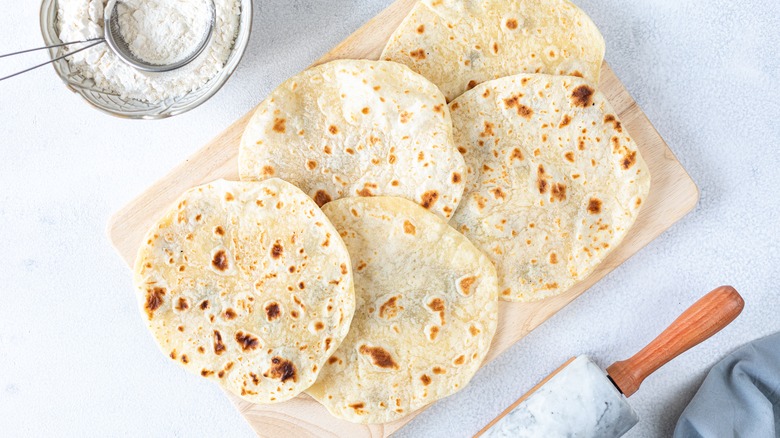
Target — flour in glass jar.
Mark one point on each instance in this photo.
(159, 32)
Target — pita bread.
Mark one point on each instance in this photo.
(357, 128)
(458, 44)
(248, 285)
(426, 312)
(554, 180)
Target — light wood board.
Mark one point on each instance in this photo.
(672, 196)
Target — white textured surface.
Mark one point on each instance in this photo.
(75, 358)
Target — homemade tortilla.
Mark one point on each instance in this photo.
(357, 128)
(554, 180)
(458, 44)
(248, 285)
(426, 311)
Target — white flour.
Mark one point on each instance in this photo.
(83, 19)
(163, 31)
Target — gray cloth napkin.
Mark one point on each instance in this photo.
(740, 396)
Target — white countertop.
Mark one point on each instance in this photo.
(76, 359)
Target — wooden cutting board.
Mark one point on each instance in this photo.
(672, 196)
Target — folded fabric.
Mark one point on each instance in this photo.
(740, 396)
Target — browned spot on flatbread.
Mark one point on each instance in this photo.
(472, 84)
(322, 197)
(434, 332)
(460, 360)
(439, 370)
(204, 305)
(522, 110)
(389, 309)
(541, 180)
(629, 159)
(466, 283)
(429, 198)
(486, 94)
(281, 369)
(333, 129)
(343, 269)
(229, 197)
(154, 299)
(438, 108)
(327, 150)
(565, 122)
(247, 342)
(421, 28)
(558, 192)
(332, 360)
(185, 359)
(409, 228)
(456, 177)
(205, 373)
(182, 304)
(594, 206)
(418, 54)
(569, 156)
(498, 193)
(268, 171)
(406, 116)
(311, 164)
(220, 261)
(365, 110)
(379, 357)
(280, 125)
(495, 48)
(277, 250)
(272, 311)
(219, 346)
(511, 24)
(488, 131)
(425, 379)
(230, 314)
(437, 305)
(582, 96)
(474, 331)
(219, 231)
(516, 154)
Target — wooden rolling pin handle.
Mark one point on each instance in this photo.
(703, 319)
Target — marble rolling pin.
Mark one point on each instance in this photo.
(580, 400)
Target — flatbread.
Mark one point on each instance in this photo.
(554, 182)
(458, 44)
(357, 128)
(426, 312)
(248, 285)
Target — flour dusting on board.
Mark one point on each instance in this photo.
(159, 31)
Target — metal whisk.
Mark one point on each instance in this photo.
(116, 42)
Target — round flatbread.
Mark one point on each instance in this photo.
(458, 44)
(248, 285)
(357, 128)
(426, 312)
(554, 180)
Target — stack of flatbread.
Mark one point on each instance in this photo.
(386, 206)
